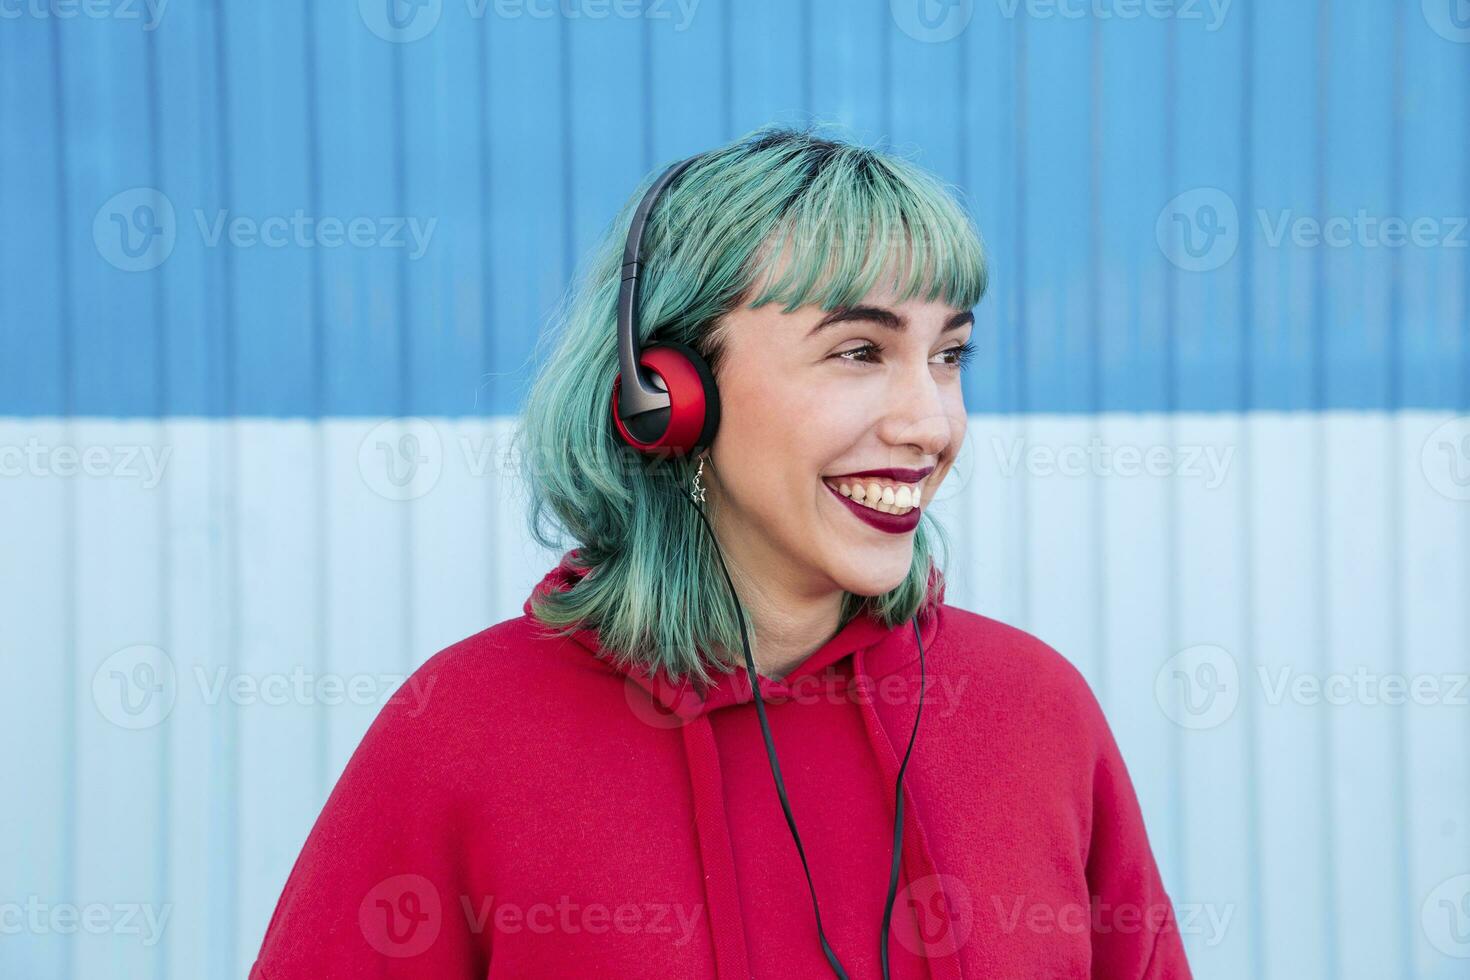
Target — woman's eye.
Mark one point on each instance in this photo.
(961, 354)
(957, 356)
(867, 350)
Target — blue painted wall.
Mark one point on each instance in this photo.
(509, 138)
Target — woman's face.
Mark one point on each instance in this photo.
(808, 400)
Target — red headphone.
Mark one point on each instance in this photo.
(670, 405)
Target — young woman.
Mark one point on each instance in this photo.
(596, 788)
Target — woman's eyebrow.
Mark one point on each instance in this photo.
(887, 319)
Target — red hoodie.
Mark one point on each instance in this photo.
(521, 808)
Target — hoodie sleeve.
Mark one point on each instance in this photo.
(1135, 933)
(374, 891)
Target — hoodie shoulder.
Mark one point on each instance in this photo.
(1020, 669)
(447, 733)
(457, 681)
(516, 652)
(998, 646)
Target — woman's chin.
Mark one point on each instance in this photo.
(874, 582)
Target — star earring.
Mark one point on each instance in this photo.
(697, 490)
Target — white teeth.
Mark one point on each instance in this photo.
(887, 500)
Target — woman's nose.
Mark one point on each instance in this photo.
(916, 415)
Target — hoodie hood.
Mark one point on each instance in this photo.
(886, 649)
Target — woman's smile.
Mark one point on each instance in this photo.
(890, 491)
(888, 500)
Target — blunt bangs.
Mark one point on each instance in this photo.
(864, 224)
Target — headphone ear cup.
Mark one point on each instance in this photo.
(709, 396)
(693, 416)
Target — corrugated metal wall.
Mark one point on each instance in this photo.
(1219, 453)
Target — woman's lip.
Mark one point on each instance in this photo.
(892, 473)
(892, 523)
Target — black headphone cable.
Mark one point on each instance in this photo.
(760, 711)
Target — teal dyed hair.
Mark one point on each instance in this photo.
(831, 217)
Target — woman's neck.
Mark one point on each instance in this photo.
(789, 617)
(789, 625)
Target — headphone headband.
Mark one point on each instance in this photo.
(637, 394)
